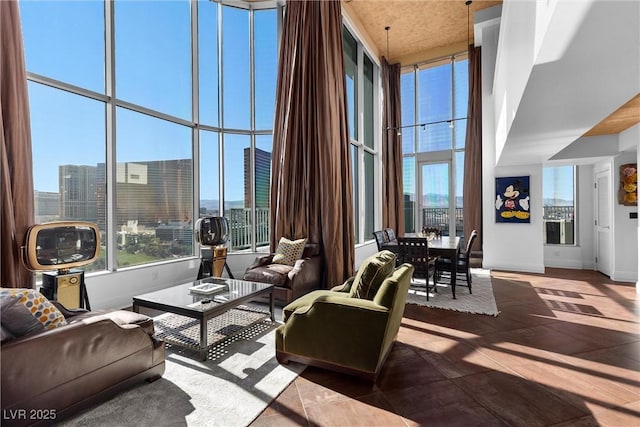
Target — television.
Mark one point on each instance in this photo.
(212, 230)
(61, 245)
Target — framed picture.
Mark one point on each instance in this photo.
(628, 192)
(512, 199)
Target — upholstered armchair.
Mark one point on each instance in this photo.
(352, 327)
(291, 281)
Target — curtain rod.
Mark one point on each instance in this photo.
(450, 121)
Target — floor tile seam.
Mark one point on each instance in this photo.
(393, 408)
(557, 391)
(414, 386)
(304, 407)
(489, 409)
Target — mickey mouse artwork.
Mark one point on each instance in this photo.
(512, 199)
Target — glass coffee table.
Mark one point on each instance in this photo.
(203, 300)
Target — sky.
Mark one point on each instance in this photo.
(65, 41)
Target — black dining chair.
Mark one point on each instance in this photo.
(443, 265)
(381, 239)
(415, 251)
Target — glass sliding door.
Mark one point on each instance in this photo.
(435, 203)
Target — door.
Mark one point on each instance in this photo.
(435, 203)
(603, 222)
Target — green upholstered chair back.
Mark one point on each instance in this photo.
(393, 295)
(371, 274)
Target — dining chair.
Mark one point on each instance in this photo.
(381, 239)
(443, 265)
(415, 251)
(390, 234)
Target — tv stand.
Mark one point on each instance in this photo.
(212, 262)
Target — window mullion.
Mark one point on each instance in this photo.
(110, 158)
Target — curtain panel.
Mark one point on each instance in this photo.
(311, 193)
(392, 197)
(15, 138)
(472, 197)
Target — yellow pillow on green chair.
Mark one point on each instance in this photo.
(289, 251)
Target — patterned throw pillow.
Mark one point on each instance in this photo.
(289, 251)
(25, 311)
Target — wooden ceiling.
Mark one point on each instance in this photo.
(621, 119)
(421, 30)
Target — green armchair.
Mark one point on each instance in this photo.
(349, 328)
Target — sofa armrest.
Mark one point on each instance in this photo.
(305, 276)
(68, 312)
(261, 260)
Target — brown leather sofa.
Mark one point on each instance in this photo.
(50, 375)
(291, 282)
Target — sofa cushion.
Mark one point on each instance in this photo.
(26, 311)
(274, 274)
(119, 317)
(371, 274)
(289, 251)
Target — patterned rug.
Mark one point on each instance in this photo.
(481, 301)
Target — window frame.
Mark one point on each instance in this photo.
(111, 102)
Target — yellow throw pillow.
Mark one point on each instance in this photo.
(289, 251)
(25, 311)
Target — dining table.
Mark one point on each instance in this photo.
(445, 247)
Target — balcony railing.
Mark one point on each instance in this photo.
(240, 228)
(439, 217)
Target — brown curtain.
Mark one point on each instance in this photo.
(15, 136)
(392, 197)
(311, 194)
(472, 198)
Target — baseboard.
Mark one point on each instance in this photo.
(625, 276)
(523, 268)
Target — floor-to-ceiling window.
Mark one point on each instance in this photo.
(145, 115)
(361, 76)
(434, 119)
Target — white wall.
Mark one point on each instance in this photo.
(625, 237)
(516, 247)
(582, 255)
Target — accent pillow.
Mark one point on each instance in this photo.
(372, 273)
(25, 311)
(289, 251)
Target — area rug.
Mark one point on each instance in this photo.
(239, 379)
(481, 301)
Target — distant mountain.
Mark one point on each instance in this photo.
(212, 205)
(557, 202)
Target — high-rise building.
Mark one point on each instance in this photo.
(151, 193)
(262, 180)
(46, 206)
(77, 185)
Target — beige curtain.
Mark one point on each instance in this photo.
(15, 137)
(392, 197)
(472, 198)
(311, 194)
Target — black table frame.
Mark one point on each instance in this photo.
(443, 247)
(203, 316)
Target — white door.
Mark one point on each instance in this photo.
(603, 222)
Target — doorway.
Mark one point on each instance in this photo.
(435, 206)
(602, 218)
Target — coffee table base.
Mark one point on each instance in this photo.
(185, 332)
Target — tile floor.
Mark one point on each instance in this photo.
(564, 351)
